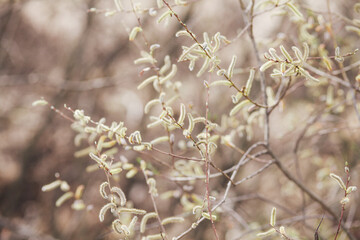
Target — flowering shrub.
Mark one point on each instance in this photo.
(234, 124)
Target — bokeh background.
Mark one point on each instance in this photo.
(60, 51)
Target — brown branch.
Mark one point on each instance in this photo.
(309, 193)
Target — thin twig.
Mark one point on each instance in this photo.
(316, 234)
(262, 75)
(310, 122)
(177, 156)
(207, 160)
(343, 205)
(214, 175)
(257, 172)
(162, 232)
(280, 97)
(227, 190)
(326, 75)
(62, 114)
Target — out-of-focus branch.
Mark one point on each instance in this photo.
(310, 194)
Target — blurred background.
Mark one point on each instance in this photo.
(62, 52)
